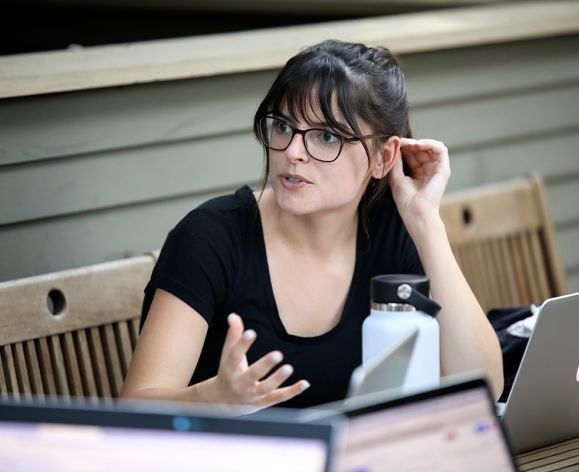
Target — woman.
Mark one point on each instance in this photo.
(258, 298)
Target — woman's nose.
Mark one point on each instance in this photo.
(296, 151)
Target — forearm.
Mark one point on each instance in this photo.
(205, 392)
(468, 341)
(198, 393)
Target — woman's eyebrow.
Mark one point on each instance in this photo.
(315, 124)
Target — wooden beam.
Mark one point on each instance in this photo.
(134, 63)
(334, 7)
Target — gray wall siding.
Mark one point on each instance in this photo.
(98, 175)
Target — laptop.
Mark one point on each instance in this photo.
(543, 405)
(386, 370)
(449, 428)
(148, 437)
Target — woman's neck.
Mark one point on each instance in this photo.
(317, 235)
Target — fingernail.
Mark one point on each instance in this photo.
(230, 317)
(276, 357)
(287, 369)
(305, 385)
(249, 335)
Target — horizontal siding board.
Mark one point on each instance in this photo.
(113, 118)
(477, 123)
(568, 243)
(554, 156)
(129, 176)
(59, 125)
(563, 199)
(452, 75)
(88, 238)
(97, 181)
(573, 281)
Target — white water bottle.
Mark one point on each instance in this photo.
(400, 304)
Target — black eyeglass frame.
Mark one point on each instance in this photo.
(302, 132)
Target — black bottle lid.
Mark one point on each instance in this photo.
(404, 288)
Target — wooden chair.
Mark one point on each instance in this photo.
(503, 238)
(71, 333)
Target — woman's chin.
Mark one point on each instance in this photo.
(294, 204)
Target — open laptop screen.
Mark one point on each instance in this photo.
(187, 443)
(450, 431)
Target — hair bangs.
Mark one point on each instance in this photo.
(322, 88)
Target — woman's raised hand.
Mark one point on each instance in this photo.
(419, 194)
(238, 383)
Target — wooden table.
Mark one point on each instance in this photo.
(563, 456)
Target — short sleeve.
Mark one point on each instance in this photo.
(195, 263)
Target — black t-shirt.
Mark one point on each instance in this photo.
(215, 261)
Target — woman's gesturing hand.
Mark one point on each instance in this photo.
(241, 384)
(420, 193)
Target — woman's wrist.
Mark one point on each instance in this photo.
(207, 392)
(425, 228)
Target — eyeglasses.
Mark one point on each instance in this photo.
(322, 145)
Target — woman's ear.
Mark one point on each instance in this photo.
(386, 157)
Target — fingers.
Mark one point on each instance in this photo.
(422, 150)
(272, 382)
(243, 384)
(235, 356)
(283, 394)
(261, 367)
(234, 332)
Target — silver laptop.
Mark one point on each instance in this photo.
(543, 405)
(386, 370)
(384, 373)
(155, 437)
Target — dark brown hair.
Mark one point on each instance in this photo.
(365, 83)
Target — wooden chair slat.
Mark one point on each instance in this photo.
(491, 274)
(99, 363)
(58, 366)
(530, 268)
(125, 347)
(10, 371)
(539, 266)
(22, 370)
(85, 364)
(134, 331)
(499, 274)
(3, 383)
(32, 362)
(112, 358)
(520, 276)
(514, 294)
(46, 370)
(72, 365)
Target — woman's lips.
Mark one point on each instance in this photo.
(295, 178)
(293, 181)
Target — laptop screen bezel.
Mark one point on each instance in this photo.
(270, 423)
(372, 403)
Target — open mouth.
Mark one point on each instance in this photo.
(294, 179)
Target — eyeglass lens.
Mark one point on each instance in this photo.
(321, 144)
